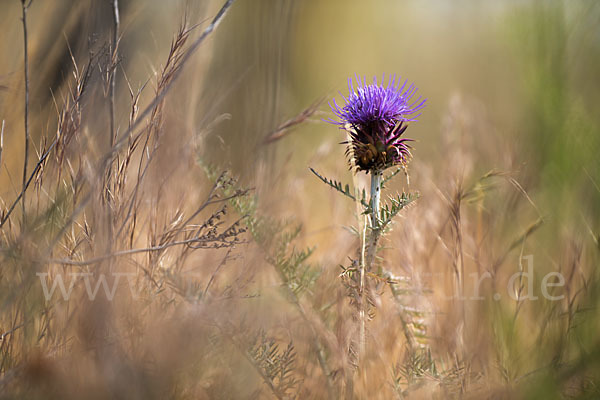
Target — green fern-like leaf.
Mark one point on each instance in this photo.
(396, 204)
(276, 366)
(273, 236)
(343, 189)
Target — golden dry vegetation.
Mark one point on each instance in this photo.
(162, 236)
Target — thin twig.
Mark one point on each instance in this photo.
(285, 128)
(190, 241)
(48, 151)
(1, 141)
(157, 99)
(26, 117)
(113, 61)
(116, 254)
(10, 332)
(214, 274)
(31, 176)
(112, 81)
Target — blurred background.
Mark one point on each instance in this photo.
(528, 67)
(505, 159)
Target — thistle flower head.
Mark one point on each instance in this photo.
(376, 116)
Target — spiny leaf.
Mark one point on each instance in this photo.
(389, 210)
(345, 190)
(390, 176)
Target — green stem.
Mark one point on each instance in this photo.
(369, 248)
(375, 196)
(375, 230)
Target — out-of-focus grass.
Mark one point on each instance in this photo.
(555, 45)
(506, 161)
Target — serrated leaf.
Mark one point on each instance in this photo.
(396, 204)
(345, 190)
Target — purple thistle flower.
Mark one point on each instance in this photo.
(376, 117)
